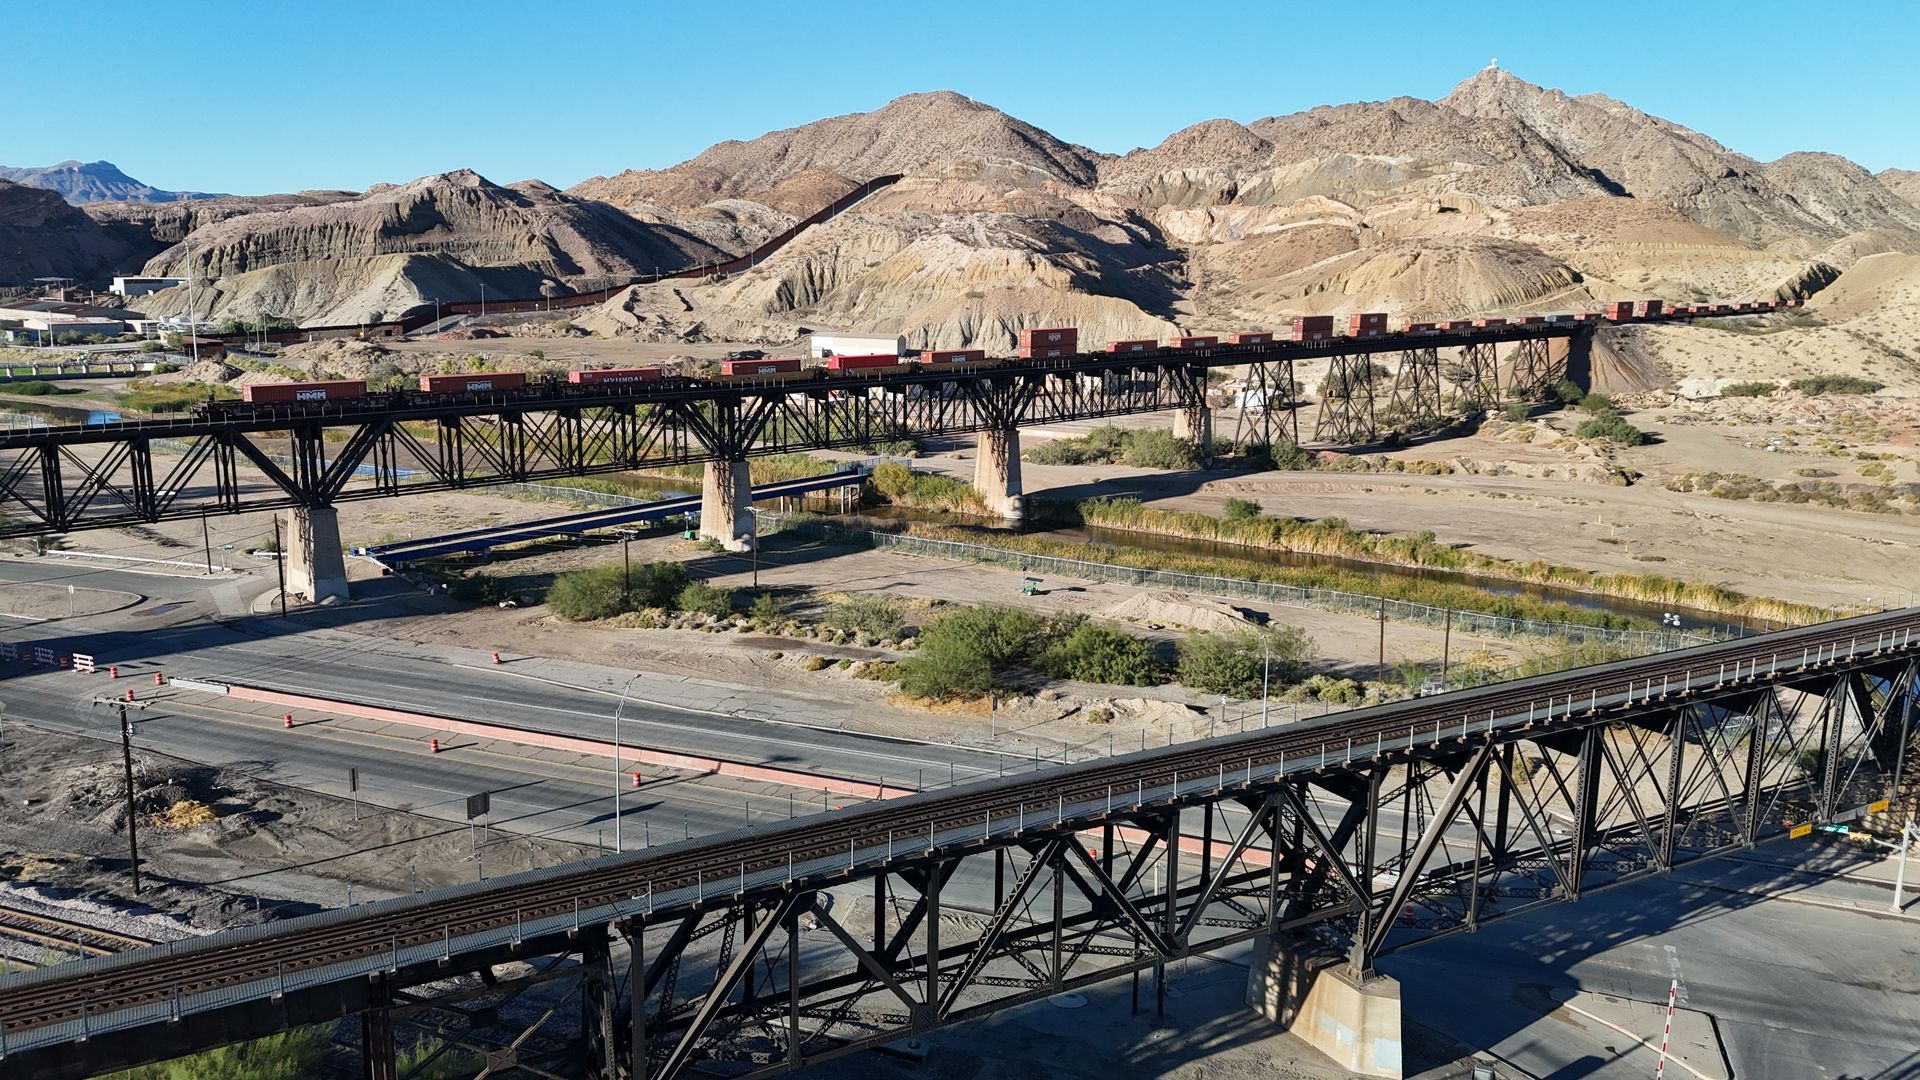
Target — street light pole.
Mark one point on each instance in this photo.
(1900, 876)
(618, 709)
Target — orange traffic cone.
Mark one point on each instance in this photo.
(636, 779)
(159, 679)
(288, 720)
(433, 746)
(496, 657)
(113, 671)
(129, 694)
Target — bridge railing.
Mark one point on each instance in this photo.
(1293, 595)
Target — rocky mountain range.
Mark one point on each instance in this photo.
(95, 181)
(1500, 197)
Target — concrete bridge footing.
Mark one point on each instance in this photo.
(1195, 424)
(996, 473)
(1352, 1018)
(726, 505)
(316, 568)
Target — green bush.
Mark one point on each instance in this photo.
(1232, 663)
(1568, 392)
(960, 655)
(701, 598)
(1816, 385)
(892, 482)
(141, 396)
(1146, 448)
(1157, 448)
(1242, 510)
(152, 347)
(1597, 403)
(1516, 411)
(1611, 425)
(1749, 389)
(877, 615)
(480, 589)
(290, 1055)
(35, 388)
(765, 610)
(601, 592)
(1101, 654)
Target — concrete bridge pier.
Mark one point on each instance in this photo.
(1195, 424)
(726, 505)
(1351, 1017)
(316, 570)
(996, 473)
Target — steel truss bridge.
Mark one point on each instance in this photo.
(760, 951)
(71, 478)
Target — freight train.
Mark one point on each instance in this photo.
(1045, 343)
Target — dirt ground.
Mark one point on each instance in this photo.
(269, 851)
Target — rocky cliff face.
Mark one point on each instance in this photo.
(41, 235)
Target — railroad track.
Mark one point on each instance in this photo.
(63, 936)
(38, 1000)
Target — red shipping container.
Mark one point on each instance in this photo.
(1489, 323)
(767, 365)
(294, 392)
(1459, 324)
(1312, 327)
(952, 356)
(1139, 345)
(1420, 328)
(1530, 320)
(1620, 310)
(1251, 337)
(484, 382)
(1367, 324)
(1195, 342)
(856, 363)
(1046, 352)
(614, 376)
(1064, 337)
(1650, 309)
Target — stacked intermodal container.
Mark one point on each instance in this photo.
(480, 383)
(1459, 324)
(766, 365)
(1420, 328)
(615, 376)
(1620, 311)
(1047, 342)
(1367, 324)
(1250, 337)
(280, 393)
(1530, 320)
(1488, 323)
(1651, 309)
(1312, 327)
(1203, 342)
(952, 356)
(857, 363)
(1137, 345)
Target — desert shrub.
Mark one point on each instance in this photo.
(34, 388)
(814, 663)
(765, 610)
(701, 598)
(289, 1055)
(1816, 385)
(1749, 389)
(895, 483)
(1597, 403)
(141, 396)
(960, 655)
(1242, 510)
(1157, 448)
(1101, 654)
(1612, 426)
(877, 615)
(1232, 663)
(480, 589)
(430, 1059)
(595, 593)
(1516, 411)
(152, 347)
(1568, 392)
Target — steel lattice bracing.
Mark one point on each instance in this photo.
(764, 949)
(1475, 373)
(1272, 391)
(1534, 371)
(1416, 402)
(1346, 401)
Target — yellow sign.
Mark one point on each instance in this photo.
(1876, 807)
(1799, 831)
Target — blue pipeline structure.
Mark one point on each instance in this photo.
(575, 524)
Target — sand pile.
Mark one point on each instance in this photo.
(1179, 609)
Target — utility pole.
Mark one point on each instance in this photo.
(626, 562)
(206, 538)
(754, 542)
(1900, 876)
(1383, 641)
(280, 562)
(126, 754)
(1266, 666)
(1446, 646)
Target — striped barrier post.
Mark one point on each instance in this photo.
(1660, 1071)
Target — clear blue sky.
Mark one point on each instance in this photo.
(278, 95)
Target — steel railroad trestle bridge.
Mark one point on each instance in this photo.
(760, 951)
(65, 479)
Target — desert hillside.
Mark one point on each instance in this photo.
(1501, 197)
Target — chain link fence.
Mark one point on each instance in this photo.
(1472, 622)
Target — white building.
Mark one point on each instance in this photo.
(141, 286)
(855, 345)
